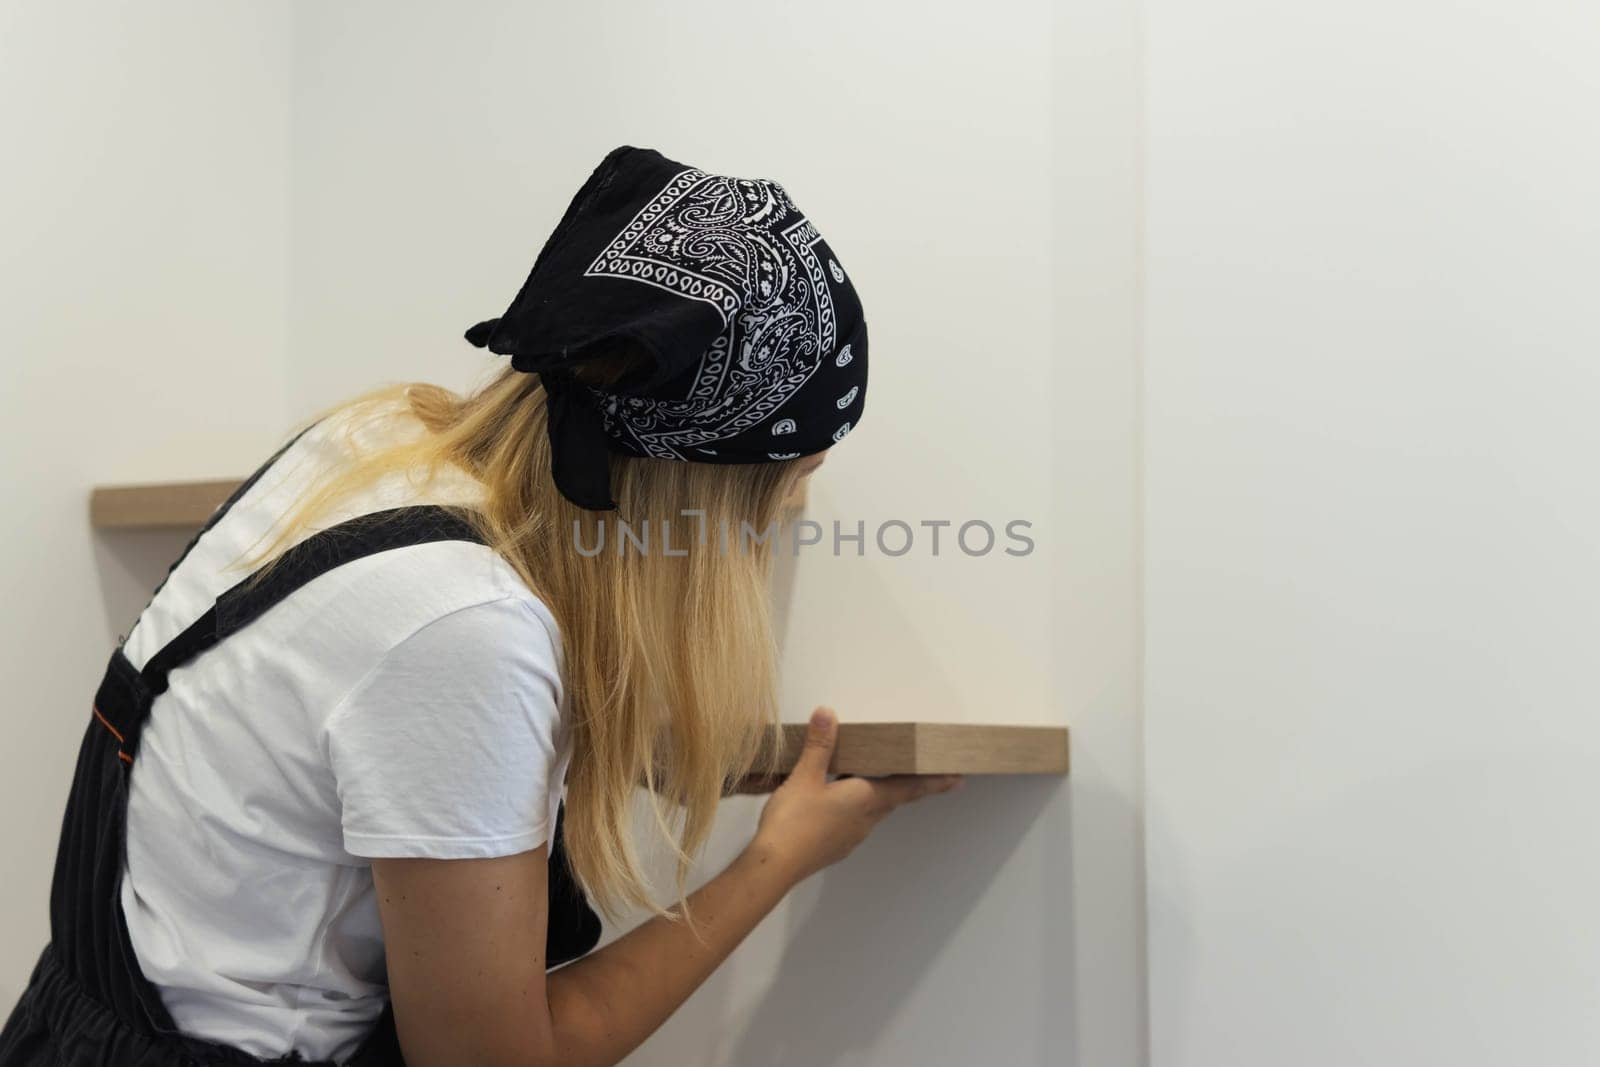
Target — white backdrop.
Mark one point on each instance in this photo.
(1372, 581)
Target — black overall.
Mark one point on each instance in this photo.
(87, 1002)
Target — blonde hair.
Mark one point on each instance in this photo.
(668, 660)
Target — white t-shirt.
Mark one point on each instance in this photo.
(405, 704)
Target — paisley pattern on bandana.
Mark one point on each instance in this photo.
(740, 246)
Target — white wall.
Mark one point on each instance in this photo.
(142, 204)
(1373, 587)
(224, 217)
(975, 170)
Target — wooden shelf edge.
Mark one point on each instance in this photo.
(159, 506)
(187, 505)
(879, 748)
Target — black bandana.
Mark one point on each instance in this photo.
(758, 337)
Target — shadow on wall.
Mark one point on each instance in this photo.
(862, 941)
(131, 563)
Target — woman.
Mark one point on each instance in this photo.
(355, 775)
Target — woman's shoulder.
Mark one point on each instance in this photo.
(428, 581)
(421, 585)
(365, 606)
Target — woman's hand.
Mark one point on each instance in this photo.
(811, 823)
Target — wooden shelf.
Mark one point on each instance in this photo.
(165, 506)
(187, 505)
(878, 748)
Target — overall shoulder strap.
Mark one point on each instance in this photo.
(354, 539)
(233, 498)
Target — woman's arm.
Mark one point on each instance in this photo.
(465, 938)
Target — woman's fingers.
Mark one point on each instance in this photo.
(821, 731)
(897, 789)
(810, 822)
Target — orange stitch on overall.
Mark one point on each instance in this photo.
(107, 724)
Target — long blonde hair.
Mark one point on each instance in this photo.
(668, 660)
